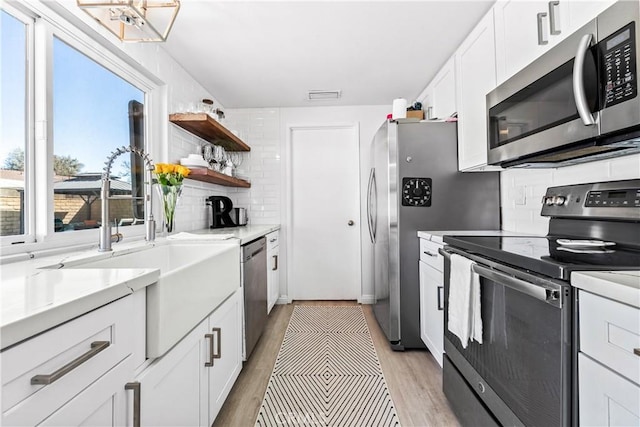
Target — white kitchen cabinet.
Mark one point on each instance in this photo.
(432, 298)
(44, 377)
(173, 389)
(188, 385)
(439, 98)
(608, 362)
(525, 30)
(100, 404)
(606, 398)
(273, 266)
(225, 326)
(582, 11)
(475, 77)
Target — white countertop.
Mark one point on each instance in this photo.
(436, 236)
(245, 233)
(43, 299)
(34, 298)
(621, 286)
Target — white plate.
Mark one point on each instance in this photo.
(584, 243)
(196, 166)
(193, 163)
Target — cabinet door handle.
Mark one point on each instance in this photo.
(439, 291)
(542, 35)
(96, 347)
(272, 240)
(211, 350)
(218, 332)
(431, 254)
(554, 18)
(135, 386)
(636, 351)
(275, 262)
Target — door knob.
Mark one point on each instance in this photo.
(350, 223)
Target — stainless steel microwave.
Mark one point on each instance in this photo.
(577, 102)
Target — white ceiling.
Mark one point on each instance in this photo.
(270, 54)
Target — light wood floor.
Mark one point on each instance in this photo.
(413, 376)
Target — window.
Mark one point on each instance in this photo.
(13, 197)
(68, 102)
(94, 112)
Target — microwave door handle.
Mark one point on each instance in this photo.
(578, 81)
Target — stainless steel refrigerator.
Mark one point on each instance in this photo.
(415, 185)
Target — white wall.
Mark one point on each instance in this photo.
(522, 190)
(265, 130)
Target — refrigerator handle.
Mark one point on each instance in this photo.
(369, 222)
(374, 204)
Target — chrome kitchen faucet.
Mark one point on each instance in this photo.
(105, 227)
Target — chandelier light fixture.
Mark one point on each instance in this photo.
(134, 20)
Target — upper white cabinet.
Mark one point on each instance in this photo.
(525, 30)
(439, 98)
(582, 11)
(475, 77)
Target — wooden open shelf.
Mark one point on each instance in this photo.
(203, 126)
(213, 177)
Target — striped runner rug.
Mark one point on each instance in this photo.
(327, 373)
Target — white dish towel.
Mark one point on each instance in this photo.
(465, 315)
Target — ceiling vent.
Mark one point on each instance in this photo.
(319, 95)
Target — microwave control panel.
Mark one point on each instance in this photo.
(620, 67)
(416, 192)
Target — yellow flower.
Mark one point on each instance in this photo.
(184, 171)
(158, 168)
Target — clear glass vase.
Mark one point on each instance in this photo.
(169, 196)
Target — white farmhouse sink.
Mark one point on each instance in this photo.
(194, 279)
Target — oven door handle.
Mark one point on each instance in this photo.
(549, 296)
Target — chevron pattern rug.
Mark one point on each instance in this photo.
(327, 373)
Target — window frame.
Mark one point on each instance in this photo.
(39, 212)
(29, 143)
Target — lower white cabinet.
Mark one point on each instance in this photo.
(188, 385)
(432, 298)
(606, 398)
(608, 362)
(273, 266)
(75, 373)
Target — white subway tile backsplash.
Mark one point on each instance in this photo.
(526, 218)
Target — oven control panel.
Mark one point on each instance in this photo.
(618, 200)
(613, 198)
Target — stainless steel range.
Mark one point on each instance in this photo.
(523, 371)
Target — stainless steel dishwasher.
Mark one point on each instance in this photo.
(254, 271)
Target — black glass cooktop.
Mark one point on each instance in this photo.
(544, 255)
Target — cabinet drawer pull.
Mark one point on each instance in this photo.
(554, 18)
(431, 254)
(135, 386)
(218, 354)
(272, 240)
(275, 263)
(636, 351)
(211, 350)
(542, 35)
(96, 347)
(439, 290)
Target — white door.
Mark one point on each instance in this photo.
(324, 259)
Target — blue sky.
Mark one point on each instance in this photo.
(90, 103)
